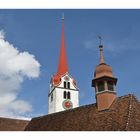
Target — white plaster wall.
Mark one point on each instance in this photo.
(58, 95)
(51, 105)
(59, 99)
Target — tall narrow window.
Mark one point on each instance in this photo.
(68, 95)
(65, 95)
(110, 86)
(65, 84)
(52, 97)
(68, 85)
(101, 86)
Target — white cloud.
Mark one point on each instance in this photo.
(2, 34)
(14, 66)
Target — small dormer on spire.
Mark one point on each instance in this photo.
(101, 50)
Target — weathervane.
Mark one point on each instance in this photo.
(101, 41)
(100, 38)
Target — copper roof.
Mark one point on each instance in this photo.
(103, 69)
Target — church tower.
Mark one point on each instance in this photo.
(104, 83)
(63, 93)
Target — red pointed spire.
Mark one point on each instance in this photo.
(62, 66)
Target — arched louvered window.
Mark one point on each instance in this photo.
(68, 85)
(65, 95)
(65, 85)
(68, 95)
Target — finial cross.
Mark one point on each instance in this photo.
(100, 39)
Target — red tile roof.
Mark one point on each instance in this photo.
(124, 114)
(7, 124)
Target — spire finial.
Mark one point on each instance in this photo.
(101, 50)
(62, 16)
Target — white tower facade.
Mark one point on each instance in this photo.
(63, 96)
(63, 93)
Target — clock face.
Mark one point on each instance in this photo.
(67, 104)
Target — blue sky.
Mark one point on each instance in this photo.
(39, 33)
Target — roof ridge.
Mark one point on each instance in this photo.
(129, 110)
(127, 95)
(70, 110)
(85, 106)
(14, 119)
(121, 97)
